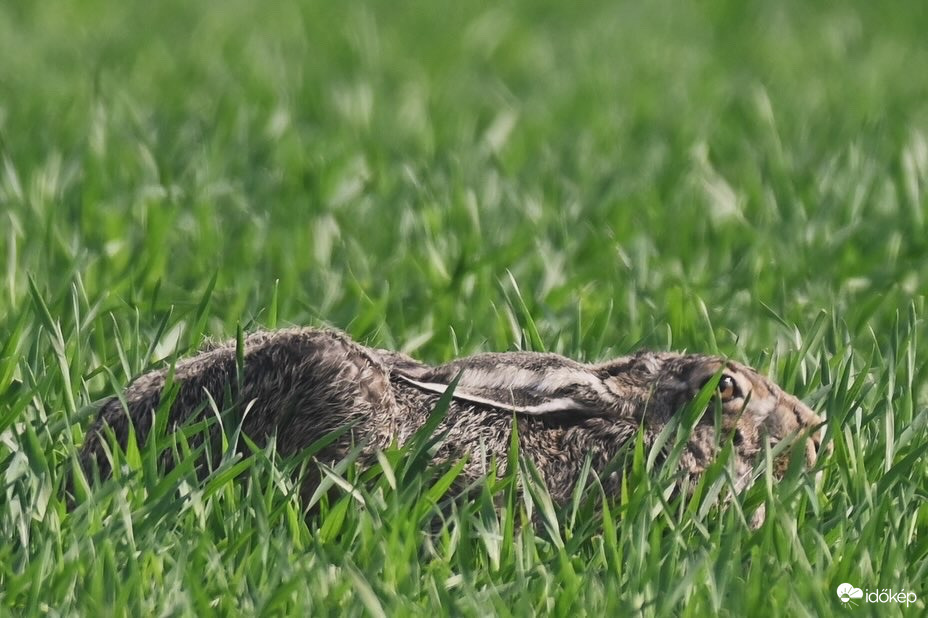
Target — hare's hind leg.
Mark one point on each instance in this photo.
(307, 383)
(297, 383)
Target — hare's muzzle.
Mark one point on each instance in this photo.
(793, 419)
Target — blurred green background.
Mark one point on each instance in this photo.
(390, 162)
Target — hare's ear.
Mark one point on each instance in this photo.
(506, 399)
(529, 383)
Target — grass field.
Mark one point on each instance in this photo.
(589, 178)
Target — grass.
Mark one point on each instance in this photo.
(588, 178)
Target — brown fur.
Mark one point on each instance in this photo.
(301, 384)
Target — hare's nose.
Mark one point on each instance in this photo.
(807, 418)
(817, 438)
(813, 448)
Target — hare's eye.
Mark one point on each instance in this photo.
(728, 388)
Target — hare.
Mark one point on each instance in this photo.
(301, 384)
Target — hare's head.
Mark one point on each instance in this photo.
(650, 390)
(752, 408)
